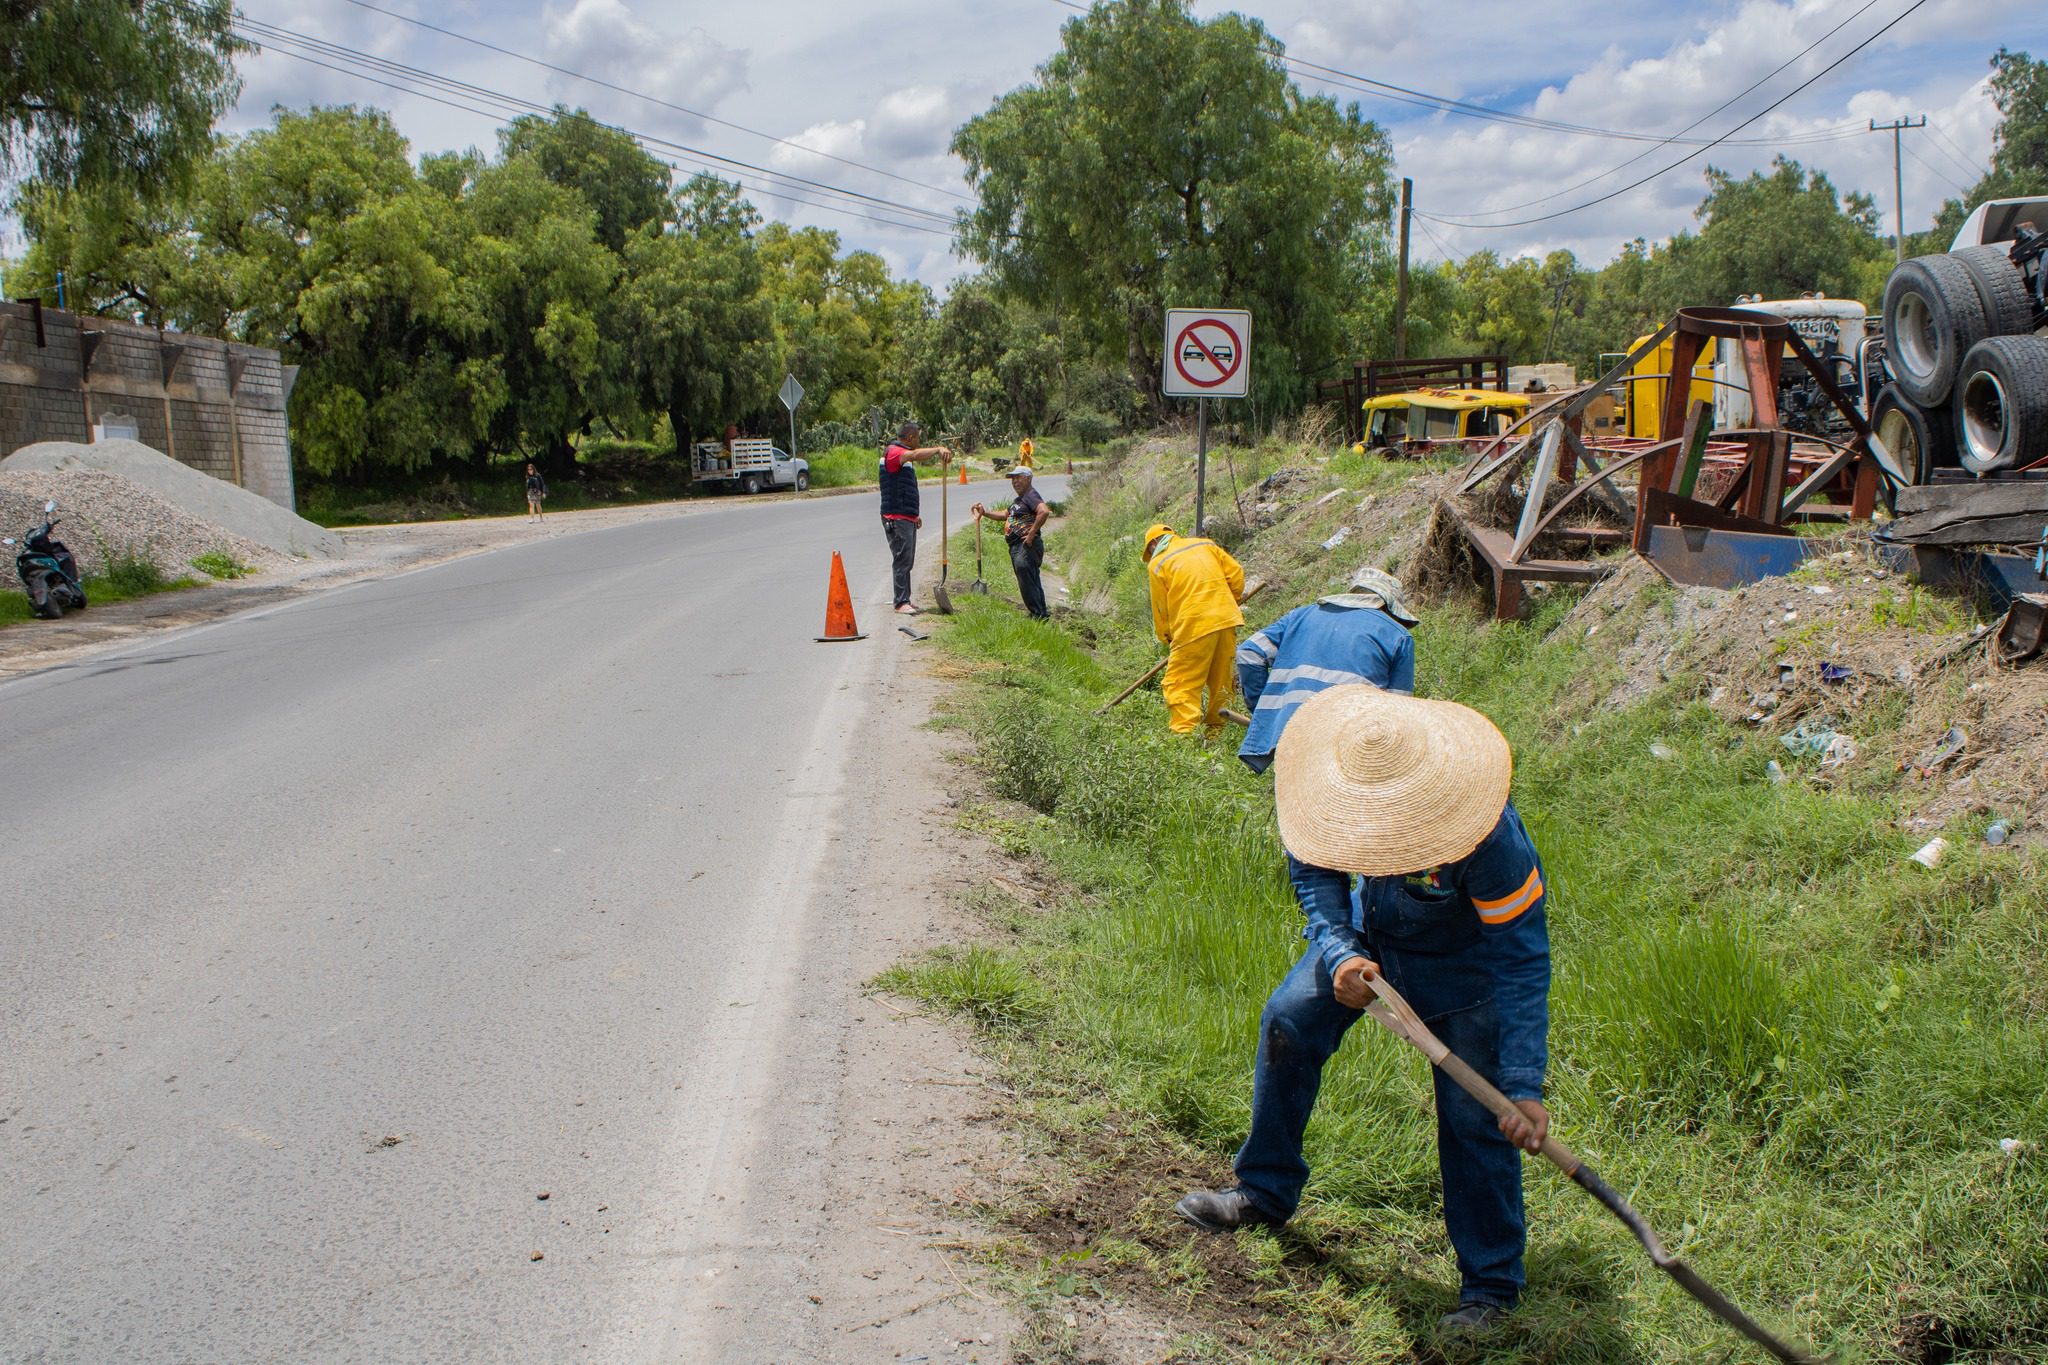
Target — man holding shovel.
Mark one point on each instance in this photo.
(900, 516)
(1022, 525)
(1411, 797)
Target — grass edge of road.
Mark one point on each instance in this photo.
(128, 576)
(1796, 1061)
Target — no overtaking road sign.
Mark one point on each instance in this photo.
(1208, 353)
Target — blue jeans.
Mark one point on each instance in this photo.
(1482, 1171)
(1025, 559)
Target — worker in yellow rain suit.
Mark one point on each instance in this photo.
(1196, 587)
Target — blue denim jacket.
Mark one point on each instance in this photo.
(1323, 644)
(1485, 909)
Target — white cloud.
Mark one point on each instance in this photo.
(606, 39)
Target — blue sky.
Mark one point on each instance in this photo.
(884, 84)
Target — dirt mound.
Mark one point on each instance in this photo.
(1850, 646)
(102, 516)
(233, 510)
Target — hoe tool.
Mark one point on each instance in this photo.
(1252, 589)
(939, 593)
(1394, 1012)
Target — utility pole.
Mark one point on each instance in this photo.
(1898, 174)
(1401, 285)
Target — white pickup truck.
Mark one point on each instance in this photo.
(749, 464)
(1965, 354)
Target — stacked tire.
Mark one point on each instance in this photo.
(1969, 379)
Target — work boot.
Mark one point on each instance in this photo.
(1224, 1211)
(1471, 1320)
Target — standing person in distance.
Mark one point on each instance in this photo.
(1196, 587)
(1025, 453)
(1022, 525)
(900, 518)
(536, 493)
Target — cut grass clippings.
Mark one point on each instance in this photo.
(1796, 1052)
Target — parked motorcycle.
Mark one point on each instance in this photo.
(46, 569)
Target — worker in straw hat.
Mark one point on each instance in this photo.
(1411, 797)
(1196, 587)
(1356, 636)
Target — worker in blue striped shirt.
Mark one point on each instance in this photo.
(1357, 636)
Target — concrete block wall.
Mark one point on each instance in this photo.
(214, 405)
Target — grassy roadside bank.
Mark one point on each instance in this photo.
(127, 577)
(1794, 1050)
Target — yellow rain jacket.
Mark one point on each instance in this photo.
(1195, 588)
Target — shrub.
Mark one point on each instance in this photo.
(131, 574)
(221, 564)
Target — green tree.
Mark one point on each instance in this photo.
(315, 236)
(113, 92)
(1779, 235)
(696, 326)
(841, 319)
(2019, 149)
(1160, 159)
(625, 186)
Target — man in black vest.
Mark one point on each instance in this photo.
(900, 519)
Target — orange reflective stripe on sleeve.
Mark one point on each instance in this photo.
(1506, 908)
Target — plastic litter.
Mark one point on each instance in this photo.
(1663, 751)
(1930, 852)
(1776, 773)
(1834, 673)
(1343, 534)
(2010, 1146)
(1951, 743)
(1999, 832)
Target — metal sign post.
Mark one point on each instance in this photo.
(1208, 355)
(791, 393)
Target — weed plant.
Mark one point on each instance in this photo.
(219, 564)
(1794, 1050)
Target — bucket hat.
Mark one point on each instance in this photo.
(1381, 589)
(1380, 784)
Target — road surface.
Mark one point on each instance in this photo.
(441, 968)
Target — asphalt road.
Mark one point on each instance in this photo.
(336, 934)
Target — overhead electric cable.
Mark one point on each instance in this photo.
(655, 100)
(1644, 180)
(1719, 108)
(1955, 153)
(285, 40)
(1401, 94)
(778, 191)
(1936, 171)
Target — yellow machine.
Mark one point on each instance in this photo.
(1647, 385)
(1428, 416)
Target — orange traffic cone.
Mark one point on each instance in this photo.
(963, 473)
(839, 607)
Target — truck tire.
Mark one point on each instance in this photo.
(751, 484)
(1922, 440)
(803, 480)
(1932, 317)
(2001, 288)
(2001, 407)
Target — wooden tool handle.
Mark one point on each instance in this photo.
(1150, 674)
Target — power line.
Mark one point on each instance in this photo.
(289, 43)
(1955, 153)
(1443, 250)
(655, 100)
(1689, 156)
(1733, 99)
(776, 190)
(1944, 176)
(1401, 94)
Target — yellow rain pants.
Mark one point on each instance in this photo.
(1203, 662)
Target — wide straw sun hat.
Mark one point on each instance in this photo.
(1381, 784)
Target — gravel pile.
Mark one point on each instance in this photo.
(234, 511)
(101, 515)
